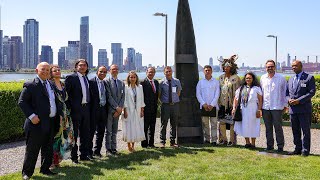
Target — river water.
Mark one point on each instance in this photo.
(7, 77)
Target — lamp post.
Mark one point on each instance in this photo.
(166, 35)
(273, 36)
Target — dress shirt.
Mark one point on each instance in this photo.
(164, 90)
(83, 88)
(102, 99)
(274, 92)
(53, 107)
(208, 92)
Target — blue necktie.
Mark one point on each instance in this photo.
(87, 88)
(296, 80)
(102, 95)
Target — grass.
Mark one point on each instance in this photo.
(191, 162)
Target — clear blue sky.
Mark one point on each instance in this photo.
(222, 28)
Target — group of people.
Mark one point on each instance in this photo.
(59, 113)
(268, 98)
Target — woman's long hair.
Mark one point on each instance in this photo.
(137, 78)
(255, 81)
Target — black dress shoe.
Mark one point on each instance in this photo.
(26, 177)
(86, 158)
(152, 146)
(75, 161)
(305, 154)
(280, 150)
(269, 148)
(91, 157)
(48, 173)
(97, 155)
(214, 144)
(294, 153)
(247, 146)
(114, 151)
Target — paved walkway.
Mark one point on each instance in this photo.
(12, 154)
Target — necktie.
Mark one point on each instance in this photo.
(102, 94)
(170, 91)
(153, 88)
(115, 82)
(87, 88)
(296, 80)
(45, 87)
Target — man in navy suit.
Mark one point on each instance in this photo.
(99, 111)
(39, 104)
(78, 89)
(150, 91)
(301, 88)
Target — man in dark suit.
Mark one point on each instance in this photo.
(38, 103)
(78, 89)
(116, 94)
(151, 93)
(99, 111)
(300, 90)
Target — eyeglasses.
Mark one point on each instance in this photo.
(269, 67)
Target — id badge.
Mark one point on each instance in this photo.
(174, 89)
(303, 85)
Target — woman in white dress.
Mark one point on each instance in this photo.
(251, 104)
(133, 126)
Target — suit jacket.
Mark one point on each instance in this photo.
(73, 88)
(116, 94)
(34, 99)
(150, 98)
(95, 97)
(134, 109)
(304, 91)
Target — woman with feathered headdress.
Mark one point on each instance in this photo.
(229, 83)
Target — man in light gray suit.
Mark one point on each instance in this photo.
(116, 92)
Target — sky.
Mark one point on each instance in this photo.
(222, 28)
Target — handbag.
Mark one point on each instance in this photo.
(238, 114)
(212, 113)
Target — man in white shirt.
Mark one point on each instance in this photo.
(274, 103)
(208, 92)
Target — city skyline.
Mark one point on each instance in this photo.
(221, 28)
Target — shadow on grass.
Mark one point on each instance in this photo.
(123, 161)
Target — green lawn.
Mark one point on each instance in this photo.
(193, 162)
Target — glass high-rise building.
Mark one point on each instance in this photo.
(84, 37)
(1, 49)
(117, 55)
(138, 61)
(30, 43)
(131, 57)
(103, 58)
(90, 55)
(62, 58)
(46, 54)
(72, 53)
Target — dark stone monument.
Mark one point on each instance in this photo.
(186, 69)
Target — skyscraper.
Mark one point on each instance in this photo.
(90, 55)
(30, 43)
(17, 54)
(131, 56)
(211, 61)
(84, 37)
(138, 61)
(7, 53)
(103, 58)
(46, 54)
(288, 60)
(72, 53)
(117, 55)
(62, 58)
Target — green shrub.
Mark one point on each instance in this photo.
(11, 116)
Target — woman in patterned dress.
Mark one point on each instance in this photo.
(63, 140)
(229, 83)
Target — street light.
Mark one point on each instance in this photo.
(166, 35)
(273, 36)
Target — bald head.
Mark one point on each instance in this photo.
(296, 66)
(43, 70)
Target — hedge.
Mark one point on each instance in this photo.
(12, 118)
